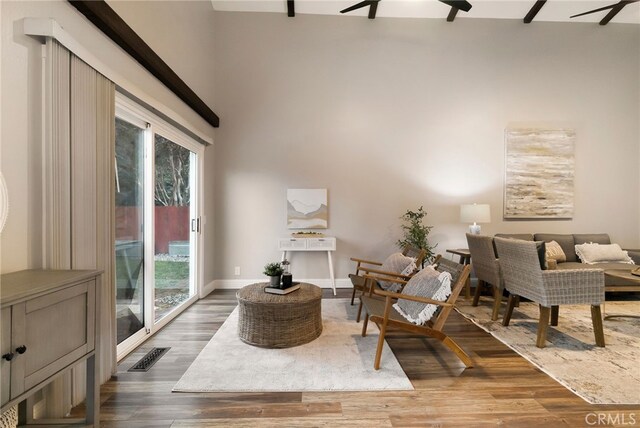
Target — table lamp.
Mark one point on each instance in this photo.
(475, 213)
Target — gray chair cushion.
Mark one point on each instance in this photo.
(566, 242)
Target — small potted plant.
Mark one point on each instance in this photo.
(274, 272)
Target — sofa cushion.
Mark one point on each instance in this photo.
(596, 238)
(575, 265)
(635, 256)
(523, 236)
(566, 243)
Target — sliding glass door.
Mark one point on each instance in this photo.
(176, 225)
(129, 251)
(157, 223)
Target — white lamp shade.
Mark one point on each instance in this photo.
(475, 213)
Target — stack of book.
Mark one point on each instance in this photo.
(294, 286)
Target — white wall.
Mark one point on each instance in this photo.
(181, 33)
(387, 114)
(392, 114)
(20, 143)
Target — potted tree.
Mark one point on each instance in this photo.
(416, 233)
(274, 272)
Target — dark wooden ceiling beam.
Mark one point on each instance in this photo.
(372, 10)
(452, 14)
(534, 11)
(111, 24)
(614, 11)
(291, 9)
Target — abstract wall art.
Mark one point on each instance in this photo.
(539, 173)
(307, 208)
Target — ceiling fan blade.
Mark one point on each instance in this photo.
(458, 4)
(615, 10)
(360, 5)
(620, 4)
(600, 9)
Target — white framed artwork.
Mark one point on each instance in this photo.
(307, 209)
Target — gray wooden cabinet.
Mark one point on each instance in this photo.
(48, 325)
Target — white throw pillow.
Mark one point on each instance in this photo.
(599, 253)
(396, 263)
(427, 283)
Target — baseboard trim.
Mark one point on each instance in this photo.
(208, 288)
(234, 284)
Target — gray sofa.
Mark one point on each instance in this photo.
(569, 241)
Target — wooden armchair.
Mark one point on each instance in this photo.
(367, 267)
(378, 306)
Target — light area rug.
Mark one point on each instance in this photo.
(609, 375)
(339, 360)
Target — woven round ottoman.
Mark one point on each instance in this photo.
(279, 321)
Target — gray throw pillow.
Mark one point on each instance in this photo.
(542, 251)
(427, 283)
(396, 263)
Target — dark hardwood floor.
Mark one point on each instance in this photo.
(502, 389)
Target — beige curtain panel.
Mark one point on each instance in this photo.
(79, 208)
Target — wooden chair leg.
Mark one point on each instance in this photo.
(596, 319)
(449, 343)
(476, 295)
(497, 294)
(364, 325)
(509, 311)
(359, 312)
(555, 310)
(353, 295)
(383, 330)
(467, 289)
(543, 326)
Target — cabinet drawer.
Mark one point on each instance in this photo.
(57, 329)
(321, 244)
(292, 244)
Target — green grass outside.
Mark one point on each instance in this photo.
(172, 274)
(169, 274)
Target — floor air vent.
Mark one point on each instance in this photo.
(148, 360)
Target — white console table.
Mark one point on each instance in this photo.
(327, 244)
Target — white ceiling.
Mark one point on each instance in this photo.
(553, 10)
